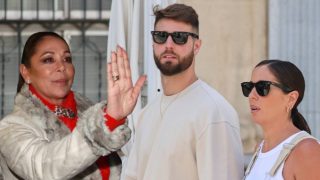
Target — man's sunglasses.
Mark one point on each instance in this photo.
(180, 38)
(262, 87)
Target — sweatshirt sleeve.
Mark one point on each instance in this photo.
(103, 134)
(219, 153)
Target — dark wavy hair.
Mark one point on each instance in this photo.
(30, 48)
(290, 76)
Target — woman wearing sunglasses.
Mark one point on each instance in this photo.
(287, 151)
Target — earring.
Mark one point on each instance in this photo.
(28, 81)
(288, 109)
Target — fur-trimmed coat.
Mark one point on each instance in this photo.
(34, 144)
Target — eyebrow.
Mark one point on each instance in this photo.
(51, 52)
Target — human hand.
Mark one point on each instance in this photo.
(122, 95)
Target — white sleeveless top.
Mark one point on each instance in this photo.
(265, 161)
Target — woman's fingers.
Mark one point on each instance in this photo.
(109, 72)
(138, 86)
(120, 65)
(114, 66)
(127, 68)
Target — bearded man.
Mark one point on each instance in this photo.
(189, 132)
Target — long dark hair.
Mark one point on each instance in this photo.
(30, 48)
(290, 76)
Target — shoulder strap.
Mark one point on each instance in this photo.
(287, 148)
(252, 161)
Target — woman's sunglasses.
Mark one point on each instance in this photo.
(180, 38)
(262, 87)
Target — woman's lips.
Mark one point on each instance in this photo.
(254, 108)
(60, 81)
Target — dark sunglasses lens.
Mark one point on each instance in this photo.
(263, 88)
(160, 37)
(180, 37)
(246, 88)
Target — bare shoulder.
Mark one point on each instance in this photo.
(307, 148)
(303, 161)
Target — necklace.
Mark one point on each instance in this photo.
(66, 112)
(165, 102)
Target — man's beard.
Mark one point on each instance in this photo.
(168, 68)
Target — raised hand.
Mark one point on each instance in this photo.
(122, 95)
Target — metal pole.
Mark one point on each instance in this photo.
(100, 75)
(66, 9)
(83, 58)
(5, 10)
(21, 10)
(84, 9)
(100, 9)
(53, 9)
(2, 78)
(37, 8)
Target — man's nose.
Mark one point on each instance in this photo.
(169, 42)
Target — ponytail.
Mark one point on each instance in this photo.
(299, 121)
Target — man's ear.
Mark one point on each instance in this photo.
(197, 45)
(24, 71)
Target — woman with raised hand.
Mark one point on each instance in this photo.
(56, 133)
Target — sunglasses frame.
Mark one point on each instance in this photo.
(173, 36)
(262, 87)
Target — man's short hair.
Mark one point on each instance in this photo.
(177, 12)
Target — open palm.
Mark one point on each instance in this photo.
(122, 95)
